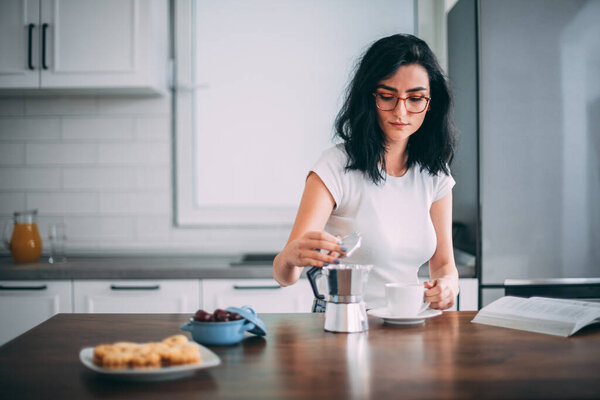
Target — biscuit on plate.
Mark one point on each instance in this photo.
(173, 350)
(175, 340)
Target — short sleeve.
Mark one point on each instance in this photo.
(443, 184)
(330, 168)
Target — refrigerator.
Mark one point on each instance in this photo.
(526, 80)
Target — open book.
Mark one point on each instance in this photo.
(559, 317)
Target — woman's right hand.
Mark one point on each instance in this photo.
(304, 251)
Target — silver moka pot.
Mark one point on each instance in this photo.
(345, 309)
(344, 306)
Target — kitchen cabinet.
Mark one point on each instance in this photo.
(25, 304)
(136, 296)
(263, 295)
(86, 46)
(468, 296)
(19, 30)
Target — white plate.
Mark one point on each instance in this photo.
(383, 312)
(209, 359)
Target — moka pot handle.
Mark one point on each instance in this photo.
(313, 274)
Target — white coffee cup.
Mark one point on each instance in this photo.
(405, 299)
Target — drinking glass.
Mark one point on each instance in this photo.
(58, 238)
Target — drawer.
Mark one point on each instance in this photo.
(25, 304)
(263, 295)
(136, 296)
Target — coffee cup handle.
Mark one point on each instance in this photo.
(424, 307)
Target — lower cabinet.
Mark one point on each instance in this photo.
(469, 294)
(263, 295)
(136, 296)
(25, 304)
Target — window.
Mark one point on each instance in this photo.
(259, 84)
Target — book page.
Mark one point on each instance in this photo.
(570, 311)
(548, 327)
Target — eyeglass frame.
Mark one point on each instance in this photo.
(398, 98)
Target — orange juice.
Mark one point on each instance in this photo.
(25, 243)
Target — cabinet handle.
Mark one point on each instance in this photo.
(119, 287)
(29, 46)
(256, 287)
(44, 29)
(41, 287)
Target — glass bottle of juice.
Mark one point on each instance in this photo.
(25, 244)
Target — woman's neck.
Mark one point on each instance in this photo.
(396, 158)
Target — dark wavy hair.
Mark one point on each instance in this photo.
(431, 147)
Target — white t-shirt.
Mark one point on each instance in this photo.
(392, 217)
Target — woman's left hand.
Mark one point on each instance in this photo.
(441, 292)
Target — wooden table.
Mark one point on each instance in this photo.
(447, 357)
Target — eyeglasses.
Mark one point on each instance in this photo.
(389, 102)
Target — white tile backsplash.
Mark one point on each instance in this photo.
(12, 153)
(151, 128)
(61, 105)
(12, 106)
(136, 203)
(83, 229)
(102, 164)
(20, 178)
(98, 129)
(29, 130)
(63, 203)
(153, 228)
(11, 202)
(153, 178)
(61, 153)
(135, 154)
(98, 178)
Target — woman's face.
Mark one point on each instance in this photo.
(409, 80)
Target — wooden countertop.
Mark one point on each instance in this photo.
(447, 357)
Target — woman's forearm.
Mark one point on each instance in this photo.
(283, 273)
(444, 270)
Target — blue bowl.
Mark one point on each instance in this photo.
(218, 333)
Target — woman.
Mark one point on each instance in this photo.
(388, 179)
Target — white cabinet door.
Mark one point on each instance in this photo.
(25, 304)
(86, 46)
(107, 43)
(136, 296)
(263, 295)
(469, 294)
(19, 43)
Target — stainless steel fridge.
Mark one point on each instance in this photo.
(526, 78)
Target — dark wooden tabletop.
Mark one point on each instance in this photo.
(447, 357)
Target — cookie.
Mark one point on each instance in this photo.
(175, 340)
(173, 350)
(187, 354)
(145, 358)
(100, 351)
(117, 359)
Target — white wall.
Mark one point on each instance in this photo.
(102, 165)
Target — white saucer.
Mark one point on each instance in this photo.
(383, 312)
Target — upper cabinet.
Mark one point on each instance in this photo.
(84, 46)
